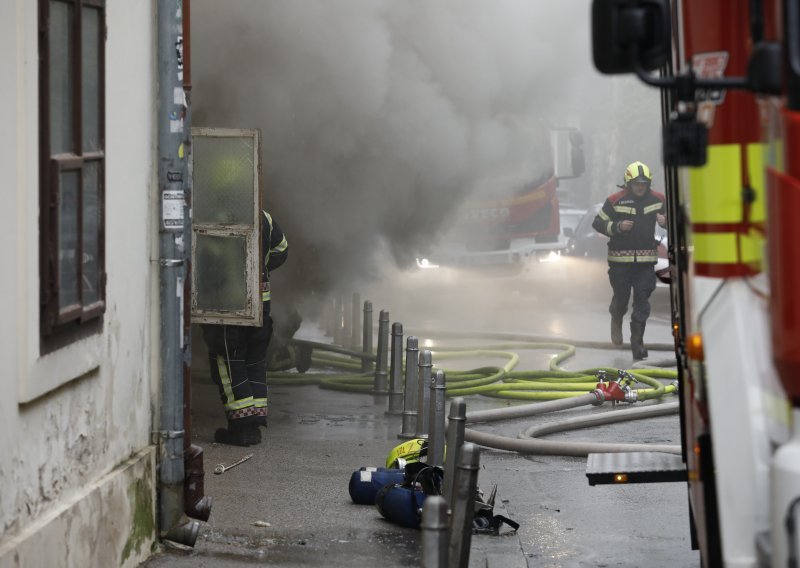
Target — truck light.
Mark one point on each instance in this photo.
(425, 263)
(551, 257)
(694, 347)
(620, 478)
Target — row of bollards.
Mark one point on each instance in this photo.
(447, 532)
(419, 396)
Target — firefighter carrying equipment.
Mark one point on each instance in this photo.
(237, 354)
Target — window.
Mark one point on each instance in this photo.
(226, 224)
(72, 160)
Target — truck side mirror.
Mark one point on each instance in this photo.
(568, 157)
(629, 34)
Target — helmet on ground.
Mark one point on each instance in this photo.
(407, 452)
(637, 172)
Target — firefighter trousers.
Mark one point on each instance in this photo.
(624, 277)
(237, 357)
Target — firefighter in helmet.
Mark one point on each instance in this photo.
(628, 218)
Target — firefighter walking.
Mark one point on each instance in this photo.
(628, 218)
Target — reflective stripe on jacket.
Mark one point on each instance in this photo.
(276, 248)
(638, 244)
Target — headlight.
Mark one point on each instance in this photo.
(425, 263)
(552, 256)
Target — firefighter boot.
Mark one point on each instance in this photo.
(616, 330)
(238, 435)
(637, 341)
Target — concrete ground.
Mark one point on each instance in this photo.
(289, 504)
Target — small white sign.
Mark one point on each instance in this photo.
(172, 209)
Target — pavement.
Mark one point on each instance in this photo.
(289, 504)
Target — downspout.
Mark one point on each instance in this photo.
(196, 504)
(172, 272)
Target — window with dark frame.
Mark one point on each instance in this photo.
(72, 164)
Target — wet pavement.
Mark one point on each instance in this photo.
(289, 505)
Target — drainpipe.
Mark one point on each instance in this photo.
(196, 503)
(173, 525)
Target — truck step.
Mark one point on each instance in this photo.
(634, 467)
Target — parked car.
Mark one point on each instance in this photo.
(570, 216)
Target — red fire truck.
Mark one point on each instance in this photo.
(513, 219)
(729, 73)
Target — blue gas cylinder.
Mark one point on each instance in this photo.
(367, 481)
(400, 505)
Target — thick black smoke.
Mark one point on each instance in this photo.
(378, 116)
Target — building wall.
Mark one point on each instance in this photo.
(77, 468)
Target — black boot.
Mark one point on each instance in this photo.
(637, 341)
(616, 330)
(303, 358)
(236, 435)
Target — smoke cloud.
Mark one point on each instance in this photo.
(379, 116)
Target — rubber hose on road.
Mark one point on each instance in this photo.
(528, 442)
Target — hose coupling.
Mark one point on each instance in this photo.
(675, 384)
(631, 395)
(600, 397)
(610, 391)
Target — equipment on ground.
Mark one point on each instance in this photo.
(221, 468)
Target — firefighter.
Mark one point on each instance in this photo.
(238, 354)
(628, 218)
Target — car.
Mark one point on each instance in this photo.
(585, 242)
(570, 216)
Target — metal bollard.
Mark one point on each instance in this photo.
(434, 532)
(337, 319)
(463, 506)
(328, 317)
(436, 420)
(411, 386)
(456, 424)
(396, 371)
(381, 382)
(347, 322)
(423, 396)
(366, 364)
(355, 333)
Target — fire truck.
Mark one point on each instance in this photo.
(513, 219)
(729, 74)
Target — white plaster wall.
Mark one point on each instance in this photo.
(70, 418)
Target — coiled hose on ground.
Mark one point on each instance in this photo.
(555, 388)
